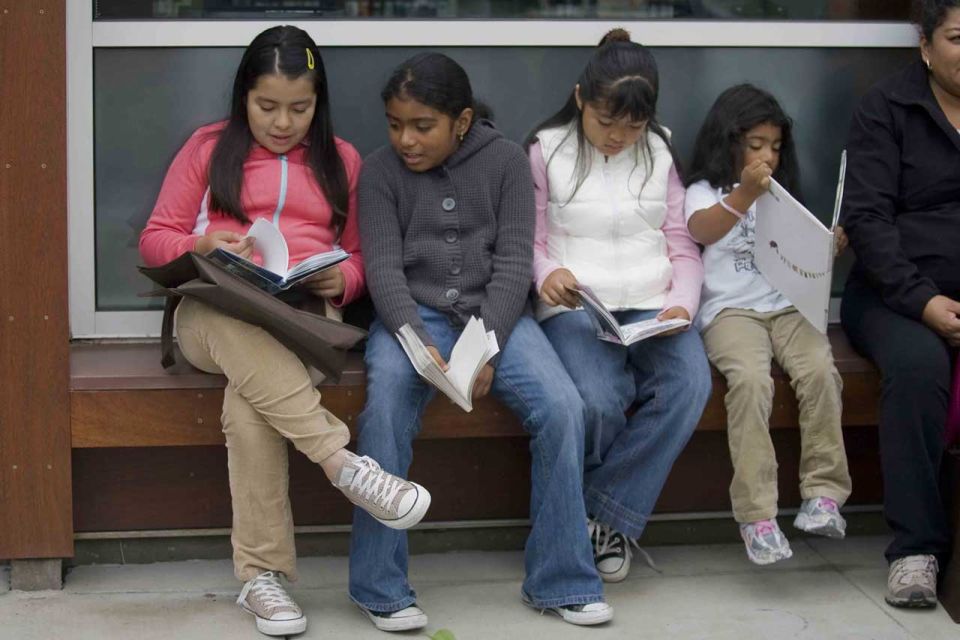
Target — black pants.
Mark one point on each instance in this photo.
(914, 364)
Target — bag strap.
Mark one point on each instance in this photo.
(167, 358)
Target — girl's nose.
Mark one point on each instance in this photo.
(406, 138)
(283, 120)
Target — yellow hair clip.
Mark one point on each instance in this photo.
(310, 63)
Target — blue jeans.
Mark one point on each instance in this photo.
(531, 381)
(627, 460)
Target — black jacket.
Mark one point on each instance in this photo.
(901, 206)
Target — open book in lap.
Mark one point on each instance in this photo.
(473, 349)
(274, 276)
(610, 330)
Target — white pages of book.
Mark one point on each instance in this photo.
(271, 245)
(473, 349)
(794, 252)
(610, 330)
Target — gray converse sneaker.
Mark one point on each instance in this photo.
(276, 612)
(913, 582)
(583, 615)
(821, 516)
(407, 619)
(395, 502)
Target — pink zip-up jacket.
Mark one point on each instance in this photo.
(683, 252)
(280, 188)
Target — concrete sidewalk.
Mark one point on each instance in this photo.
(827, 590)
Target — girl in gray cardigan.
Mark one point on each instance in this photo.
(446, 216)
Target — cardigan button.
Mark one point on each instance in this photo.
(448, 204)
(455, 269)
(451, 236)
(452, 294)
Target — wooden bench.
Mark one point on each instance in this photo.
(148, 454)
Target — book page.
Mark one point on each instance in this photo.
(469, 354)
(428, 368)
(270, 244)
(794, 252)
(602, 320)
(637, 331)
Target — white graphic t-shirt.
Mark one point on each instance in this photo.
(731, 279)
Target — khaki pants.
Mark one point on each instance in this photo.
(269, 399)
(741, 343)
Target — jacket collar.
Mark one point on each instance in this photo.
(913, 89)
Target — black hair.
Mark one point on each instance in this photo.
(930, 14)
(718, 151)
(278, 50)
(621, 76)
(436, 81)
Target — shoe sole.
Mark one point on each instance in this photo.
(769, 559)
(391, 624)
(915, 601)
(579, 619)
(827, 530)
(414, 516)
(279, 627)
(616, 576)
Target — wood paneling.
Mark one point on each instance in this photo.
(35, 490)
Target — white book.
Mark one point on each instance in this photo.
(794, 251)
(610, 330)
(473, 349)
(275, 274)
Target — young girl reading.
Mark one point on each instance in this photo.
(745, 139)
(446, 224)
(610, 217)
(275, 158)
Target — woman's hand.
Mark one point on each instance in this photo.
(229, 240)
(941, 315)
(559, 289)
(481, 386)
(329, 283)
(670, 314)
(840, 240)
(755, 178)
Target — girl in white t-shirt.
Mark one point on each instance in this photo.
(745, 139)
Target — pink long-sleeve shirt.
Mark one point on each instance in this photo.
(683, 252)
(280, 188)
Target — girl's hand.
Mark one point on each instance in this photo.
(229, 240)
(670, 314)
(840, 240)
(942, 314)
(755, 178)
(559, 289)
(329, 283)
(438, 358)
(481, 386)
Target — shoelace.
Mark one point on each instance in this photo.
(913, 569)
(604, 541)
(373, 483)
(267, 589)
(764, 528)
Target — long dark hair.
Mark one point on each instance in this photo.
(930, 14)
(621, 76)
(718, 151)
(436, 81)
(280, 50)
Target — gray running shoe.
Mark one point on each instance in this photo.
(765, 542)
(821, 516)
(913, 582)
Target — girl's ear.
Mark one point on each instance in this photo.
(576, 96)
(462, 123)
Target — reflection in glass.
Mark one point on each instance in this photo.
(632, 9)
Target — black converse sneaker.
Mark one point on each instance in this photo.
(583, 615)
(611, 552)
(406, 619)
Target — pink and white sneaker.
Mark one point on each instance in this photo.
(821, 516)
(765, 542)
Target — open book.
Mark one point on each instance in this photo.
(794, 251)
(274, 276)
(612, 331)
(473, 350)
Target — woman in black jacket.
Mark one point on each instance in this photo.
(901, 306)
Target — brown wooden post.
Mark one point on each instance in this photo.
(36, 527)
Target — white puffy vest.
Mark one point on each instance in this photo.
(609, 234)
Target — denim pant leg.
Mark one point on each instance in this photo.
(396, 399)
(530, 379)
(600, 373)
(672, 378)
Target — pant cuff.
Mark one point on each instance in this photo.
(838, 496)
(331, 445)
(755, 515)
(385, 607)
(553, 603)
(614, 515)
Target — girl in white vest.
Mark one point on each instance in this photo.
(745, 139)
(610, 217)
